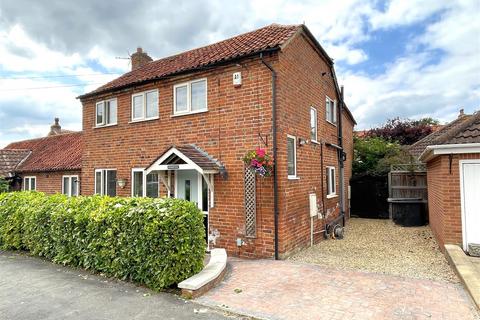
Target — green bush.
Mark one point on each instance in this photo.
(157, 242)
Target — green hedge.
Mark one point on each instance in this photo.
(157, 242)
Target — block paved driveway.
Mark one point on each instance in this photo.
(270, 289)
(34, 289)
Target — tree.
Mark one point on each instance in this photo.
(374, 155)
(405, 132)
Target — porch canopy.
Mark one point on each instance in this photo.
(186, 157)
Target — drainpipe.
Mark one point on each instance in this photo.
(274, 146)
(340, 157)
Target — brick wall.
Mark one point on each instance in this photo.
(236, 121)
(302, 86)
(444, 200)
(50, 182)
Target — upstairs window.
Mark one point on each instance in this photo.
(30, 183)
(331, 110)
(292, 157)
(106, 113)
(190, 97)
(145, 105)
(106, 182)
(313, 124)
(331, 182)
(70, 185)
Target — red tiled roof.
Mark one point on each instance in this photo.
(10, 159)
(265, 38)
(52, 153)
(418, 147)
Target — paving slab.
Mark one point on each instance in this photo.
(269, 289)
(35, 289)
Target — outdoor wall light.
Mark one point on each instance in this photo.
(302, 141)
(121, 183)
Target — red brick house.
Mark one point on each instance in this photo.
(452, 155)
(180, 127)
(51, 164)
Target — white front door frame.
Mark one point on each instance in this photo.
(462, 190)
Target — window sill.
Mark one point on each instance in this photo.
(331, 196)
(105, 126)
(293, 178)
(188, 113)
(314, 141)
(144, 120)
(332, 123)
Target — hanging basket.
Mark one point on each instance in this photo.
(259, 161)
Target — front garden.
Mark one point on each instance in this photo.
(156, 242)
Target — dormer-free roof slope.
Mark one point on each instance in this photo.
(52, 153)
(269, 37)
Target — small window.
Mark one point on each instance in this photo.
(331, 110)
(106, 182)
(145, 105)
(150, 181)
(313, 124)
(106, 112)
(190, 97)
(70, 185)
(331, 182)
(292, 157)
(30, 183)
(187, 190)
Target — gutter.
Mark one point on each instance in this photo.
(434, 150)
(274, 146)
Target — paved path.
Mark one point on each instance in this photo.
(34, 289)
(290, 290)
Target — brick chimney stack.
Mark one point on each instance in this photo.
(139, 58)
(55, 128)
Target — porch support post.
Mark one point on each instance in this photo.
(165, 182)
(209, 180)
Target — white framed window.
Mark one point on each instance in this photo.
(190, 97)
(30, 183)
(331, 182)
(292, 157)
(106, 182)
(106, 112)
(70, 185)
(145, 105)
(145, 185)
(313, 124)
(331, 110)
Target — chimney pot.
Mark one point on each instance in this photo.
(461, 113)
(55, 128)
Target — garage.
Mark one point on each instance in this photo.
(470, 200)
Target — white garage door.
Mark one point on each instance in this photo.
(470, 193)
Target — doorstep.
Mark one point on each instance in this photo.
(467, 269)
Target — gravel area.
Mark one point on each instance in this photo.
(381, 246)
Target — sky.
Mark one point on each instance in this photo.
(398, 58)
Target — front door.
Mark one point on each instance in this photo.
(470, 192)
(191, 186)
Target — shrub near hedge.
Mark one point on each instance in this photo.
(157, 242)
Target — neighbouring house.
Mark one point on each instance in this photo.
(452, 156)
(51, 164)
(180, 127)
